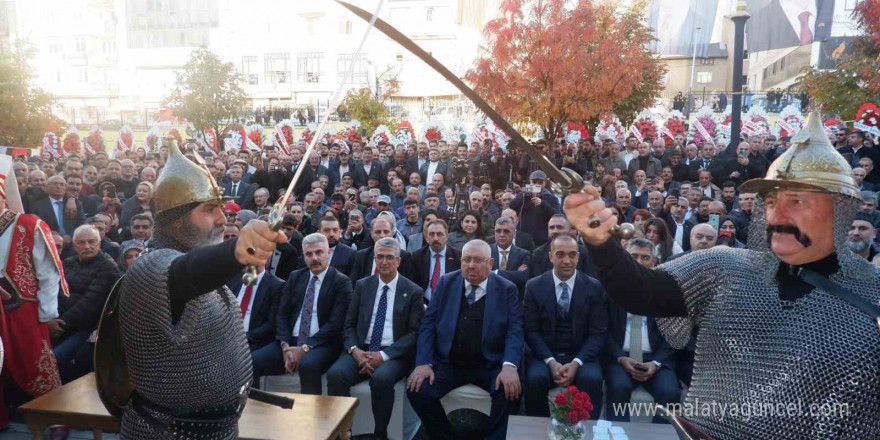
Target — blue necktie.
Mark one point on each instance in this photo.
(60, 215)
(564, 299)
(472, 297)
(379, 321)
(305, 322)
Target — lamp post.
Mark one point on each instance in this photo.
(739, 22)
(694, 35)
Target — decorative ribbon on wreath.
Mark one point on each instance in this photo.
(703, 131)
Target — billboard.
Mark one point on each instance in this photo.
(779, 24)
(678, 25)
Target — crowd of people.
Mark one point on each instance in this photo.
(380, 240)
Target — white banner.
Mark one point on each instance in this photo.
(784, 125)
(867, 128)
(703, 131)
(635, 132)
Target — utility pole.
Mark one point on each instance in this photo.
(739, 21)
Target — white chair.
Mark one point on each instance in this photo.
(467, 396)
(643, 398)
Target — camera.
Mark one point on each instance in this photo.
(277, 168)
(533, 189)
(459, 168)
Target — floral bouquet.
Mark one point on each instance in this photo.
(456, 132)
(71, 143)
(95, 141)
(609, 128)
(790, 122)
(675, 124)
(573, 132)
(381, 134)
(722, 128)
(706, 118)
(352, 132)
(255, 136)
(125, 140)
(570, 407)
(154, 136)
(237, 136)
(283, 135)
(309, 133)
(645, 125)
(868, 119)
(50, 144)
(432, 131)
(403, 134)
(758, 116)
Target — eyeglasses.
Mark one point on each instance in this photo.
(474, 260)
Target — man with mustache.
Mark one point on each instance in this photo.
(181, 328)
(766, 332)
(861, 238)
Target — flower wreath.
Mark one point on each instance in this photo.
(381, 134)
(71, 143)
(868, 119)
(95, 141)
(792, 117)
(126, 139)
(432, 131)
(609, 128)
(706, 118)
(50, 144)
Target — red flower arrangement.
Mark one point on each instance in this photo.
(647, 127)
(95, 142)
(71, 144)
(577, 126)
(406, 125)
(675, 125)
(287, 132)
(256, 138)
(127, 139)
(868, 118)
(433, 134)
(238, 140)
(572, 406)
(173, 133)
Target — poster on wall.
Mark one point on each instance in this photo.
(778, 24)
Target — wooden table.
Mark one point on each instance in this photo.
(531, 428)
(313, 417)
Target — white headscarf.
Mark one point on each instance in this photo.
(9, 185)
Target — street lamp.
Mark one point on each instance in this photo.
(694, 36)
(739, 21)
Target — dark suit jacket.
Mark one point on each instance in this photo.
(686, 233)
(343, 258)
(245, 196)
(770, 28)
(661, 350)
(357, 172)
(442, 168)
(290, 259)
(540, 261)
(264, 311)
(524, 240)
(362, 264)
(333, 299)
(697, 164)
(516, 258)
(42, 208)
(408, 312)
(502, 339)
(589, 316)
(421, 260)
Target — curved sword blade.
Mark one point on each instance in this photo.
(568, 180)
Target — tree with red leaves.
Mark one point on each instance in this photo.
(857, 77)
(548, 63)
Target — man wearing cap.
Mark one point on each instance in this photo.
(383, 203)
(177, 325)
(791, 320)
(339, 168)
(31, 277)
(536, 208)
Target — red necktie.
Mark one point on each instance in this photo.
(246, 299)
(435, 277)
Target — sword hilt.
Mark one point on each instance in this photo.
(276, 215)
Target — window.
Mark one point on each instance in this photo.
(358, 74)
(277, 67)
(308, 67)
(345, 27)
(249, 69)
(82, 75)
(774, 68)
(704, 77)
(707, 61)
(80, 44)
(782, 64)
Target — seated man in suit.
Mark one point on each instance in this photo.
(636, 353)
(521, 239)
(506, 255)
(310, 319)
(436, 259)
(540, 260)
(341, 256)
(259, 310)
(380, 335)
(50, 209)
(566, 324)
(364, 265)
(471, 334)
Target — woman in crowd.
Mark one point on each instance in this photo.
(641, 216)
(470, 227)
(727, 228)
(657, 231)
(140, 203)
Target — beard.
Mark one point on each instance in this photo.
(858, 246)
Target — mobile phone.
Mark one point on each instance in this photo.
(714, 220)
(640, 367)
(111, 191)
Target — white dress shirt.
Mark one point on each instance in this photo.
(388, 319)
(246, 321)
(47, 273)
(314, 327)
(558, 283)
(628, 156)
(431, 263)
(432, 169)
(679, 232)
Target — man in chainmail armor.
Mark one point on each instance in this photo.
(184, 345)
(776, 356)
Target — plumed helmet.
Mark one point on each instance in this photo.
(810, 164)
(183, 181)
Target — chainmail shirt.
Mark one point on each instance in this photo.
(755, 350)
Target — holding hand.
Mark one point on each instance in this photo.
(256, 243)
(580, 208)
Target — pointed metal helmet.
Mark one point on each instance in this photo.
(810, 164)
(183, 182)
